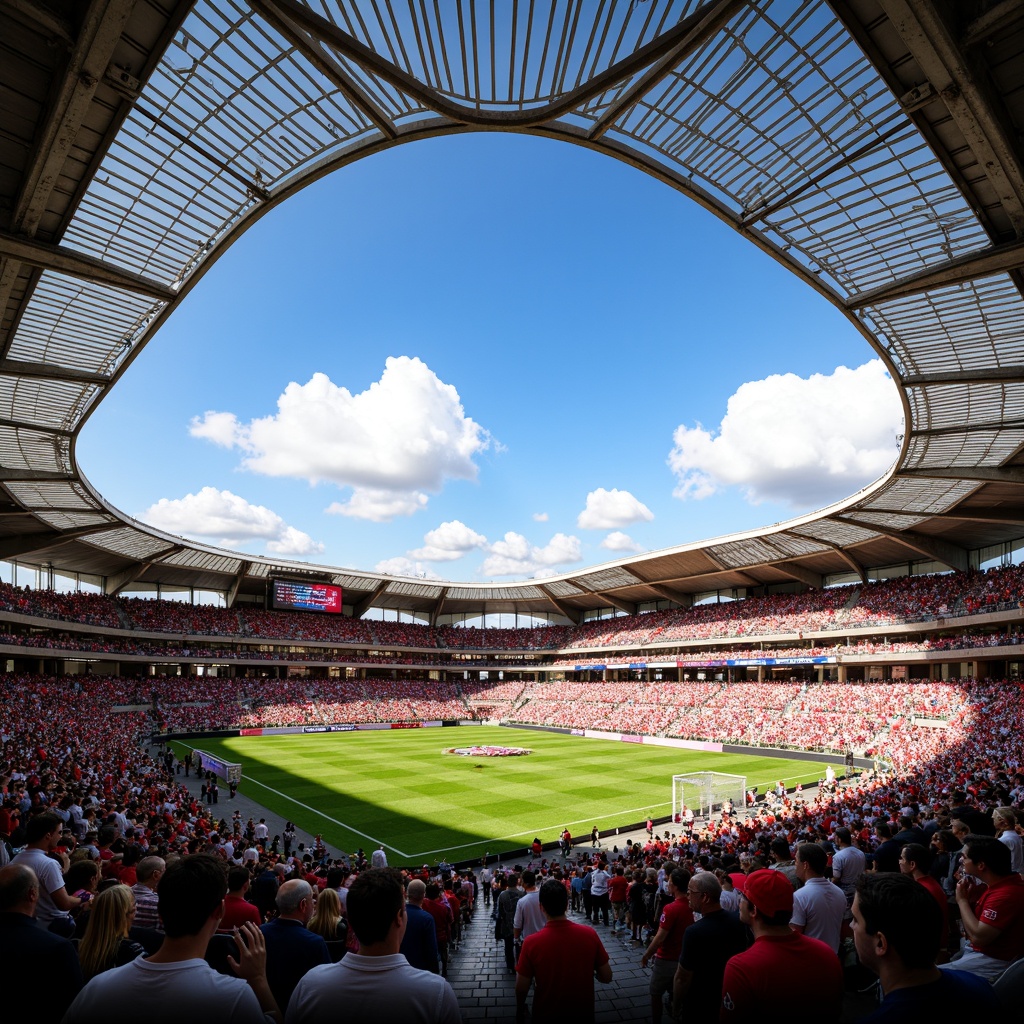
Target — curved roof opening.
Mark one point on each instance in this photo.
(611, 369)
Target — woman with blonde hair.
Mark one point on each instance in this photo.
(105, 943)
(327, 919)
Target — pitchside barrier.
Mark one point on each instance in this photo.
(226, 770)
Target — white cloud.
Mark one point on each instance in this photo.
(800, 441)
(407, 434)
(402, 566)
(378, 506)
(619, 541)
(607, 509)
(229, 520)
(294, 542)
(516, 556)
(540, 517)
(219, 427)
(449, 542)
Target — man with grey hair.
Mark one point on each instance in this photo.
(707, 945)
(1005, 821)
(292, 949)
(147, 877)
(419, 944)
(43, 962)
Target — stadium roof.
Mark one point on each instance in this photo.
(874, 147)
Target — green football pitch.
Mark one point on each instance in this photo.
(399, 788)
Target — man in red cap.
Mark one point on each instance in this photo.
(755, 984)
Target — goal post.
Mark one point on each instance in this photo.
(705, 793)
(226, 770)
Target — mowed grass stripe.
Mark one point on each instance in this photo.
(397, 787)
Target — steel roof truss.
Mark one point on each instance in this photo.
(67, 261)
(940, 550)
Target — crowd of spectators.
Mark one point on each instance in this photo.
(897, 601)
(827, 716)
(91, 609)
(179, 617)
(74, 747)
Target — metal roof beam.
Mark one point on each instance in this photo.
(312, 50)
(25, 543)
(74, 264)
(361, 607)
(435, 612)
(706, 576)
(8, 473)
(814, 580)
(706, 21)
(237, 582)
(971, 428)
(11, 513)
(814, 176)
(993, 21)
(70, 99)
(997, 259)
(921, 25)
(722, 567)
(940, 550)
(100, 31)
(326, 31)
(39, 427)
(845, 556)
(50, 371)
(993, 474)
(47, 19)
(679, 597)
(113, 585)
(572, 614)
(971, 515)
(616, 602)
(1013, 374)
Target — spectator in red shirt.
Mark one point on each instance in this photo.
(561, 960)
(618, 890)
(755, 984)
(237, 909)
(667, 943)
(995, 927)
(443, 922)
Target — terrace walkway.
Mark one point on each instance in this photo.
(486, 991)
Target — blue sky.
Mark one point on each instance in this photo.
(490, 357)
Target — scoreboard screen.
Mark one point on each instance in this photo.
(289, 595)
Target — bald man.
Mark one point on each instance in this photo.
(419, 944)
(292, 949)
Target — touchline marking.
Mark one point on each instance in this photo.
(516, 835)
(547, 828)
(448, 849)
(326, 817)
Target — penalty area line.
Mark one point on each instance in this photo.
(326, 817)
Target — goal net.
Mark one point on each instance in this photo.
(226, 770)
(706, 793)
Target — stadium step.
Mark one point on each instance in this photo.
(486, 990)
